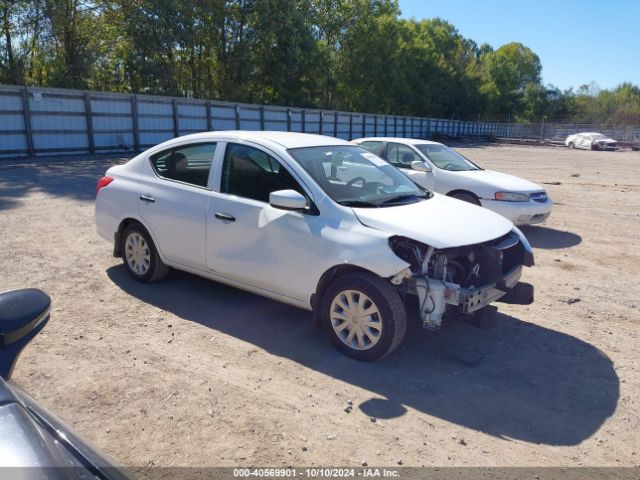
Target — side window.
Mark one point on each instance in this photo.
(373, 147)
(251, 173)
(189, 164)
(400, 155)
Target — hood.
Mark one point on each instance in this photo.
(441, 222)
(501, 182)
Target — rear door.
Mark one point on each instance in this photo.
(174, 195)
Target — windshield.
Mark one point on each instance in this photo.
(445, 158)
(355, 177)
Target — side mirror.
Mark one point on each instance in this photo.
(287, 200)
(23, 313)
(420, 166)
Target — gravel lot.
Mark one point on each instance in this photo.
(191, 372)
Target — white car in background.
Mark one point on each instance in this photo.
(313, 221)
(437, 167)
(590, 141)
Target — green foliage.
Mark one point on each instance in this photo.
(345, 54)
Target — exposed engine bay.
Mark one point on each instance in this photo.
(463, 279)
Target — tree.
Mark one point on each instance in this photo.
(506, 72)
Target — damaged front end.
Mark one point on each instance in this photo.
(463, 280)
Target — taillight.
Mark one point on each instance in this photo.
(103, 182)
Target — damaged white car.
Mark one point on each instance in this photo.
(313, 221)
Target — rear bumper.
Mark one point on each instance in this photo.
(521, 213)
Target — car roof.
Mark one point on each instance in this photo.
(284, 139)
(588, 133)
(407, 141)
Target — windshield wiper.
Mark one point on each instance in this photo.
(357, 203)
(400, 199)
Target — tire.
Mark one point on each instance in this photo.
(572, 145)
(467, 197)
(140, 256)
(368, 291)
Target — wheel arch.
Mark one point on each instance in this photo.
(462, 190)
(326, 279)
(124, 223)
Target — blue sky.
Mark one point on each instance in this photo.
(578, 42)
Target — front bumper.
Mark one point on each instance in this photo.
(477, 298)
(436, 296)
(521, 213)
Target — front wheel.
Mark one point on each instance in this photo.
(140, 256)
(365, 316)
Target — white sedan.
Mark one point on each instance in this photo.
(438, 168)
(313, 221)
(590, 141)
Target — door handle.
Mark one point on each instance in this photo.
(224, 217)
(147, 198)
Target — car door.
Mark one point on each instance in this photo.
(174, 195)
(250, 241)
(585, 141)
(401, 156)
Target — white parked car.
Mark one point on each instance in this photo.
(590, 141)
(313, 221)
(439, 168)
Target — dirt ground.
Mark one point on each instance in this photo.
(191, 372)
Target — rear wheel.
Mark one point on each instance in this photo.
(466, 197)
(365, 316)
(140, 256)
(572, 145)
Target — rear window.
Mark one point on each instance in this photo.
(189, 164)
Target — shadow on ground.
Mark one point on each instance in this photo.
(550, 238)
(76, 179)
(533, 384)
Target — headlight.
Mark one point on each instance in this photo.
(512, 197)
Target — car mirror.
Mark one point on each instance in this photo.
(420, 166)
(23, 313)
(287, 200)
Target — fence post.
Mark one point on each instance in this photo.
(237, 110)
(261, 118)
(395, 126)
(209, 119)
(134, 122)
(304, 120)
(404, 127)
(26, 111)
(176, 126)
(321, 122)
(364, 124)
(351, 126)
(385, 125)
(375, 126)
(288, 119)
(335, 124)
(89, 119)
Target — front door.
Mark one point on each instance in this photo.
(401, 156)
(250, 241)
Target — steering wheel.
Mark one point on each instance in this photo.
(356, 179)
